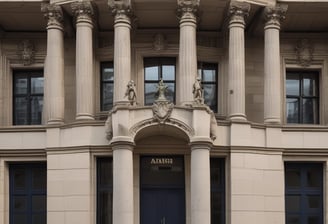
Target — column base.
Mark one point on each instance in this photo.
(84, 117)
(55, 122)
(272, 120)
(237, 117)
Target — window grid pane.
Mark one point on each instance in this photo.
(156, 69)
(208, 73)
(104, 190)
(107, 86)
(217, 174)
(304, 194)
(27, 202)
(302, 97)
(28, 97)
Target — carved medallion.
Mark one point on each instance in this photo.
(162, 110)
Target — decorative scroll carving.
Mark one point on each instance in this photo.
(53, 13)
(188, 9)
(131, 93)
(304, 52)
(26, 52)
(83, 10)
(159, 42)
(274, 15)
(238, 12)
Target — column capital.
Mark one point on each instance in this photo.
(188, 10)
(274, 15)
(54, 14)
(83, 11)
(238, 12)
(122, 10)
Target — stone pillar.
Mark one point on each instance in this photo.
(54, 65)
(272, 77)
(200, 187)
(122, 183)
(187, 10)
(84, 60)
(238, 13)
(122, 49)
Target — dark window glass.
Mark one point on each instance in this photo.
(208, 72)
(104, 190)
(302, 97)
(107, 85)
(304, 193)
(156, 69)
(217, 191)
(28, 200)
(28, 97)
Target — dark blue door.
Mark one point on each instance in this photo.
(162, 195)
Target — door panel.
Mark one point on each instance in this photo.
(162, 192)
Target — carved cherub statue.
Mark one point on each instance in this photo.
(131, 93)
(198, 91)
(161, 89)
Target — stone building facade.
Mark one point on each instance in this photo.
(163, 111)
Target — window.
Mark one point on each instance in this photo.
(156, 69)
(304, 193)
(107, 85)
(217, 191)
(302, 97)
(208, 74)
(104, 190)
(28, 193)
(28, 97)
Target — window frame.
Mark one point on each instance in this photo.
(28, 191)
(161, 61)
(103, 65)
(301, 76)
(303, 190)
(28, 74)
(201, 66)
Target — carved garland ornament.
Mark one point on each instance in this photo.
(26, 52)
(304, 52)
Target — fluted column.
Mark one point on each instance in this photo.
(187, 10)
(54, 65)
(122, 183)
(122, 49)
(84, 60)
(272, 82)
(200, 187)
(238, 13)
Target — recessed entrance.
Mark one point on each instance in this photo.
(162, 190)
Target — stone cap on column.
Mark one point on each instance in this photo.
(238, 12)
(122, 10)
(274, 15)
(188, 10)
(83, 11)
(54, 14)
